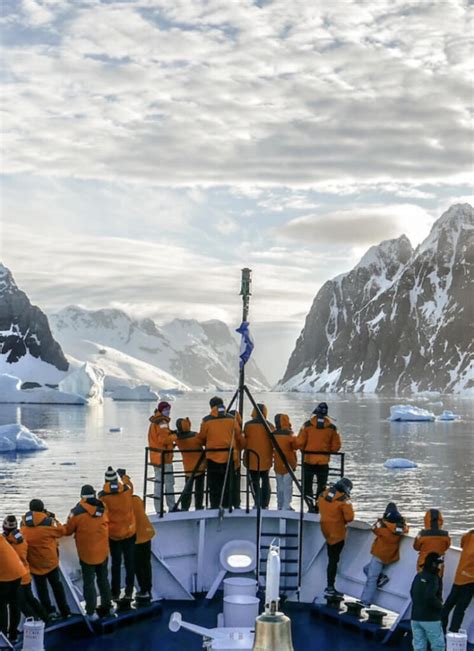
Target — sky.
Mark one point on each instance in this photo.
(153, 148)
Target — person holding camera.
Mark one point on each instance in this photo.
(117, 495)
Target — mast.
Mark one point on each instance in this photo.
(245, 286)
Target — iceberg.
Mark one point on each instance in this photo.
(400, 463)
(17, 438)
(86, 381)
(143, 392)
(11, 392)
(448, 416)
(410, 413)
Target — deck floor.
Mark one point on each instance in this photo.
(308, 632)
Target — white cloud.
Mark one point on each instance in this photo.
(295, 94)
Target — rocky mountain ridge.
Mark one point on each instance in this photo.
(399, 322)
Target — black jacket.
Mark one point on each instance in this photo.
(424, 595)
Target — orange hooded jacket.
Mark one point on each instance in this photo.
(388, 536)
(256, 438)
(217, 431)
(432, 538)
(335, 510)
(160, 436)
(42, 532)
(465, 569)
(20, 546)
(117, 496)
(89, 523)
(145, 531)
(188, 440)
(287, 442)
(11, 567)
(318, 434)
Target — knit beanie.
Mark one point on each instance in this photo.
(37, 505)
(163, 405)
(88, 491)
(110, 475)
(10, 523)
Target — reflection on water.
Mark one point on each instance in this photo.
(81, 447)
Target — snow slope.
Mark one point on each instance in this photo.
(182, 354)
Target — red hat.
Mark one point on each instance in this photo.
(163, 405)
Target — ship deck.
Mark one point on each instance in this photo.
(320, 633)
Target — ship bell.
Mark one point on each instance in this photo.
(272, 628)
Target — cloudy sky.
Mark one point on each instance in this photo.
(151, 148)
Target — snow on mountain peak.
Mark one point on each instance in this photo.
(379, 256)
(6, 280)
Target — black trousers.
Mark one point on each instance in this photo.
(215, 479)
(459, 598)
(9, 607)
(261, 487)
(123, 549)
(54, 580)
(143, 565)
(334, 553)
(91, 573)
(29, 604)
(197, 484)
(309, 472)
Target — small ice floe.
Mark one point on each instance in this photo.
(143, 392)
(410, 413)
(448, 416)
(67, 463)
(115, 429)
(400, 463)
(17, 438)
(436, 404)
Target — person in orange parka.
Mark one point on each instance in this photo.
(287, 442)
(319, 434)
(257, 439)
(160, 436)
(221, 430)
(145, 533)
(29, 605)
(388, 531)
(89, 523)
(42, 531)
(117, 496)
(462, 591)
(11, 572)
(188, 440)
(335, 509)
(431, 539)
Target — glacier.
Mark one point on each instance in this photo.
(86, 381)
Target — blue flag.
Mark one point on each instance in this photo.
(246, 345)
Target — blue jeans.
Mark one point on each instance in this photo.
(372, 570)
(424, 632)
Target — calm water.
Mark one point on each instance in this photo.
(81, 447)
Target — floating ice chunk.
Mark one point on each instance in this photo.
(11, 392)
(115, 429)
(410, 413)
(400, 463)
(448, 416)
(143, 392)
(436, 404)
(86, 381)
(17, 438)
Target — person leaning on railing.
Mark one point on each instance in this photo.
(256, 439)
(287, 442)
(187, 442)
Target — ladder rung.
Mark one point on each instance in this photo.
(262, 573)
(281, 546)
(282, 560)
(275, 534)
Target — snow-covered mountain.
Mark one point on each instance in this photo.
(27, 348)
(401, 321)
(196, 355)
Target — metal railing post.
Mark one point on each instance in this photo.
(145, 479)
(162, 487)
